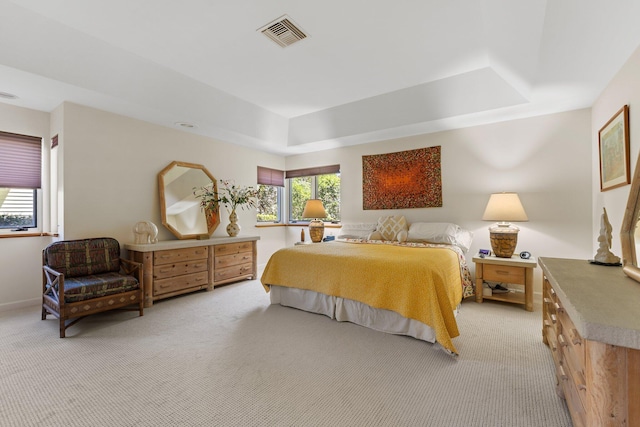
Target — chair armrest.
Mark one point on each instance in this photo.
(132, 268)
(54, 282)
(51, 271)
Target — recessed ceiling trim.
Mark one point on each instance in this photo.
(283, 31)
(7, 95)
(186, 125)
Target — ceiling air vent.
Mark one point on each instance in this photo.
(283, 31)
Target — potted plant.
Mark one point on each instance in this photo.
(232, 197)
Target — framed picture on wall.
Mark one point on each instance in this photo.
(614, 151)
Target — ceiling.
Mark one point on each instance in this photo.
(368, 70)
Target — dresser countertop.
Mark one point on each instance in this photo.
(602, 301)
(187, 243)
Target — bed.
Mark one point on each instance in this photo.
(411, 287)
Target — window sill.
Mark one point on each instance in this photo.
(296, 224)
(26, 234)
(306, 224)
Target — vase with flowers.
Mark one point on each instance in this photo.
(232, 197)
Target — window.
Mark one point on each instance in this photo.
(315, 183)
(270, 184)
(20, 173)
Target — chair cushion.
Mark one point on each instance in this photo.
(84, 257)
(94, 286)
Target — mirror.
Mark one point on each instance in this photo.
(629, 229)
(179, 207)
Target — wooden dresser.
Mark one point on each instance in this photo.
(591, 323)
(176, 267)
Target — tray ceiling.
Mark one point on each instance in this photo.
(365, 71)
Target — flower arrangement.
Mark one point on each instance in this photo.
(231, 196)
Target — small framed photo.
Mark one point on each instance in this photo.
(614, 151)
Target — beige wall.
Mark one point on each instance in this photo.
(546, 160)
(109, 165)
(20, 259)
(624, 89)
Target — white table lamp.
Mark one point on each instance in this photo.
(314, 209)
(504, 208)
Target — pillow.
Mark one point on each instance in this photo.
(356, 231)
(375, 235)
(464, 238)
(390, 226)
(440, 232)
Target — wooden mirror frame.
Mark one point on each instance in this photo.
(628, 229)
(204, 222)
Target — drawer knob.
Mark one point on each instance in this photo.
(562, 341)
(563, 375)
(576, 337)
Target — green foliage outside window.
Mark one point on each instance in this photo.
(329, 193)
(327, 189)
(300, 192)
(268, 203)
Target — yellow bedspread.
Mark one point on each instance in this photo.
(421, 283)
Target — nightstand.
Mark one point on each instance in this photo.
(507, 272)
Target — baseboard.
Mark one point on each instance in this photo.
(20, 304)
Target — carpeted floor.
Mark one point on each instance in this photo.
(228, 358)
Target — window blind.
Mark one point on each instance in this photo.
(320, 170)
(267, 176)
(20, 161)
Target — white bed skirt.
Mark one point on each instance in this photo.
(346, 310)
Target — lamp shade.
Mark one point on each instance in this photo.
(504, 207)
(314, 209)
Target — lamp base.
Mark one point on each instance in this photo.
(503, 241)
(316, 230)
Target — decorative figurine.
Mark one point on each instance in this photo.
(145, 232)
(603, 255)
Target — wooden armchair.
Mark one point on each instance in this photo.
(84, 277)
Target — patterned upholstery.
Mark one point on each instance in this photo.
(75, 258)
(87, 287)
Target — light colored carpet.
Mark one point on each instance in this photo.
(228, 358)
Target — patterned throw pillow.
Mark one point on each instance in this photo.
(390, 226)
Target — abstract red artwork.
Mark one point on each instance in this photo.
(406, 179)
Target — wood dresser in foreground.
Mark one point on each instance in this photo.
(591, 323)
(176, 267)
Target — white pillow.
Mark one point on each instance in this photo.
(356, 231)
(440, 232)
(390, 226)
(464, 238)
(375, 235)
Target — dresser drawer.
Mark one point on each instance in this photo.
(233, 248)
(235, 259)
(170, 270)
(179, 283)
(574, 403)
(180, 255)
(226, 273)
(503, 273)
(575, 343)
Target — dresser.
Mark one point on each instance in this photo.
(176, 267)
(591, 323)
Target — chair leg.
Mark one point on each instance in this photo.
(44, 313)
(62, 328)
